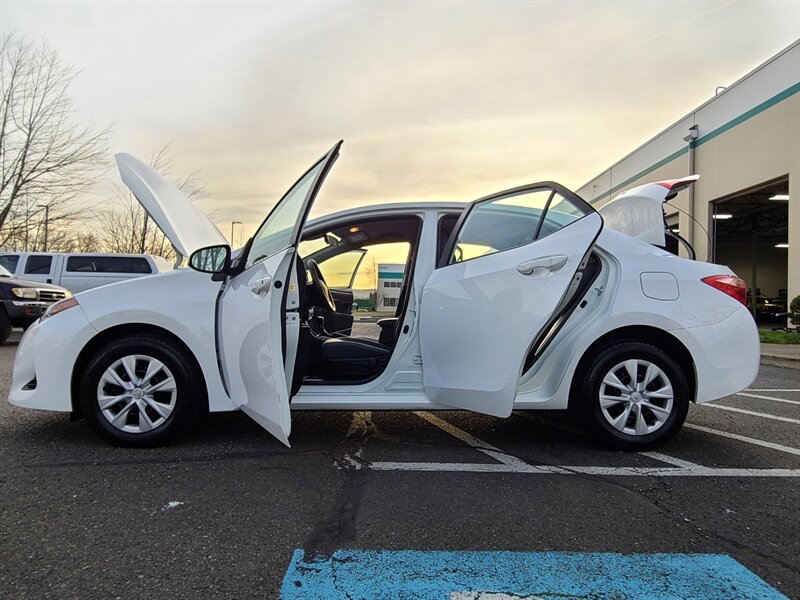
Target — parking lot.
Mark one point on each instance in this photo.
(223, 513)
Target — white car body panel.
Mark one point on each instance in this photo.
(185, 226)
(716, 330)
(458, 298)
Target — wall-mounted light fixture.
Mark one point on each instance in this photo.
(723, 216)
(781, 245)
(780, 197)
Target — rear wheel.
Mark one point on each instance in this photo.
(141, 391)
(634, 396)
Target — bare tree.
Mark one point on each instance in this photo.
(47, 161)
(125, 226)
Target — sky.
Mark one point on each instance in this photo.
(435, 101)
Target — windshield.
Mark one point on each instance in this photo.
(5, 272)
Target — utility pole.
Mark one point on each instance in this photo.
(232, 224)
(46, 219)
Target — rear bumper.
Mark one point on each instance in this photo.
(44, 361)
(726, 355)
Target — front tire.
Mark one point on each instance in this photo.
(141, 391)
(5, 325)
(633, 396)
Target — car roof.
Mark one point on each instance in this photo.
(391, 208)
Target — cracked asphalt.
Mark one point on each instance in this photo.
(220, 514)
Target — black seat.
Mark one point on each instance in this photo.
(352, 358)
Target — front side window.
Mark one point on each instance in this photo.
(275, 232)
(512, 220)
(38, 265)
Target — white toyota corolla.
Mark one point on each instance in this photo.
(521, 300)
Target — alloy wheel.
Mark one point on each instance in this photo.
(137, 393)
(636, 397)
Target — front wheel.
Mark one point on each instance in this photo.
(141, 391)
(634, 396)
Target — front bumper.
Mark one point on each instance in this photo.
(24, 312)
(45, 358)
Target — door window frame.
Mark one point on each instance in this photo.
(555, 188)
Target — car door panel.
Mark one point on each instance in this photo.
(251, 349)
(479, 318)
(257, 318)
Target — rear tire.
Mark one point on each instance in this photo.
(5, 325)
(141, 391)
(633, 396)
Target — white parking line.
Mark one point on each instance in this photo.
(471, 440)
(670, 460)
(784, 400)
(697, 471)
(744, 438)
(773, 390)
(753, 413)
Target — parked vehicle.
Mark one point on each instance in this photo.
(24, 301)
(520, 300)
(80, 272)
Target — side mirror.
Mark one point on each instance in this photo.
(211, 259)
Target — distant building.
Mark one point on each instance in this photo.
(390, 282)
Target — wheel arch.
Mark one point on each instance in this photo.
(116, 332)
(638, 333)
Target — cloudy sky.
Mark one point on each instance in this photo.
(435, 101)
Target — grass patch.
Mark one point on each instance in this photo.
(779, 337)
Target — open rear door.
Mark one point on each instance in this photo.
(258, 322)
(512, 263)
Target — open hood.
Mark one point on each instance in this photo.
(639, 212)
(185, 226)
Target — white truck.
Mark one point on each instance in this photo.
(80, 272)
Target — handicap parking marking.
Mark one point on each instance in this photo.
(502, 575)
(507, 463)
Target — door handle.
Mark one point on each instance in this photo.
(261, 285)
(545, 265)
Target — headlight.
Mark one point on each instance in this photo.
(58, 307)
(27, 293)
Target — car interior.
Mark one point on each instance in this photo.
(328, 352)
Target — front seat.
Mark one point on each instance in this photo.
(352, 358)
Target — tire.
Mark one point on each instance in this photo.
(649, 412)
(130, 416)
(5, 325)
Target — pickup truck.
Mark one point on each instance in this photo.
(80, 272)
(22, 302)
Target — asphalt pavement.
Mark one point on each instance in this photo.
(222, 514)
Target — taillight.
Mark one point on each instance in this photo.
(729, 284)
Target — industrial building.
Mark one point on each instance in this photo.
(745, 210)
(390, 282)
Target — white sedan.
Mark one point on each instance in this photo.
(521, 300)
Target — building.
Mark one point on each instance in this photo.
(745, 145)
(390, 282)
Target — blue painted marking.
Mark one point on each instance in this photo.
(407, 574)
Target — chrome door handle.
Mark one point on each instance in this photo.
(261, 285)
(548, 264)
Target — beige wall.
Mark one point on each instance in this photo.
(758, 150)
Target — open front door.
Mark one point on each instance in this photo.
(512, 263)
(258, 322)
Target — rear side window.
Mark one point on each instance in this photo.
(512, 220)
(9, 262)
(108, 264)
(446, 225)
(38, 265)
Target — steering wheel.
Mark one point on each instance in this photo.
(319, 293)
